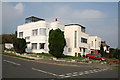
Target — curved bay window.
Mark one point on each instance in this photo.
(42, 31)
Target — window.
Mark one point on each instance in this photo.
(80, 49)
(20, 34)
(82, 29)
(75, 45)
(92, 43)
(69, 49)
(27, 38)
(42, 45)
(42, 31)
(83, 40)
(83, 49)
(34, 32)
(34, 45)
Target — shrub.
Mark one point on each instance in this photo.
(19, 45)
(56, 43)
(79, 55)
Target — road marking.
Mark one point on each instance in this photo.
(81, 73)
(66, 76)
(12, 62)
(61, 75)
(75, 73)
(95, 70)
(86, 73)
(91, 72)
(45, 72)
(71, 74)
(68, 73)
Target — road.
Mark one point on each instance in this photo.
(19, 68)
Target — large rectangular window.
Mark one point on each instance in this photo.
(92, 43)
(34, 45)
(83, 40)
(75, 45)
(20, 34)
(42, 31)
(35, 32)
(80, 49)
(27, 38)
(42, 45)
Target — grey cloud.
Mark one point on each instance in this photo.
(10, 16)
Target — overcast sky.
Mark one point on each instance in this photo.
(99, 18)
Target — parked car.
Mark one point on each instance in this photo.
(96, 57)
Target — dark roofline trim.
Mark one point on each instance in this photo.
(75, 24)
(35, 17)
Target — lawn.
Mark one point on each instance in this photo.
(40, 55)
(10, 54)
(44, 55)
(117, 66)
(72, 57)
(49, 56)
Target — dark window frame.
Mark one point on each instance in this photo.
(34, 44)
(20, 34)
(42, 45)
(83, 40)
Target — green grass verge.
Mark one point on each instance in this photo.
(10, 54)
(45, 54)
(40, 54)
(117, 66)
(50, 55)
(72, 57)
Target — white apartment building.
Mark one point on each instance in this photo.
(36, 33)
(94, 43)
(76, 40)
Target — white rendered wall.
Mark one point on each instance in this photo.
(69, 33)
(69, 36)
(27, 31)
(96, 44)
(54, 25)
(8, 45)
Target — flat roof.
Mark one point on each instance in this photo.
(33, 17)
(75, 24)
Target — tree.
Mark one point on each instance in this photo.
(16, 34)
(19, 45)
(117, 53)
(102, 50)
(7, 38)
(56, 43)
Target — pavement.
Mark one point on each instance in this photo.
(20, 68)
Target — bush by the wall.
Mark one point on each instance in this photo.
(56, 43)
(19, 45)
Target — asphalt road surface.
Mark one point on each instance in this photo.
(19, 68)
